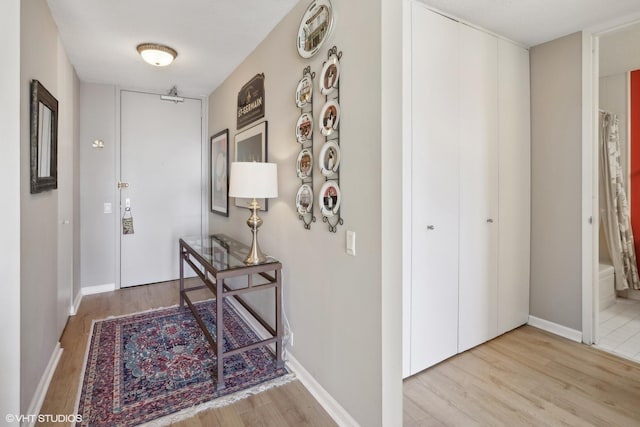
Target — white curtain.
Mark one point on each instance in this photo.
(614, 207)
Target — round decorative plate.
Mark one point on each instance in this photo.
(304, 199)
(315, 27)
(304, 164)
(329, 117)
(304, 127)
(304, 91)
(329, 198)
(329, 159)
(329, 75)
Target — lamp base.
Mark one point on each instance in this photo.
(254, 222)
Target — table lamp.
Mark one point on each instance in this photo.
(254, 180)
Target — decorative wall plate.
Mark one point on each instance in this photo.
(304, 199)
(304, 164)
(315, 27)
(329, 117)
(330, 75)
(304, 127)
(329, 159)
(304, 91)
(329, 198)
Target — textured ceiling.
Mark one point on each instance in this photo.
(212, 37)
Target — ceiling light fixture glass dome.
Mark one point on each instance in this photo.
(157, 54)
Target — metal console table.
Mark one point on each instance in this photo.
(215, 259)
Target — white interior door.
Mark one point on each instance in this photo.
(515, 187)
(161, 161)
(434, 213)
(478, 303)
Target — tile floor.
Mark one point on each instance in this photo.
(620, 329)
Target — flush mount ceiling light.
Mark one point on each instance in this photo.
(157, 54)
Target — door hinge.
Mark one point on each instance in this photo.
(122, 185)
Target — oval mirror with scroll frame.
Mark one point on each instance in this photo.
(315, 27)
(44, 139)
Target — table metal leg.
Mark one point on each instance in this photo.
(279, 327)
(220, 335)
(181, 262)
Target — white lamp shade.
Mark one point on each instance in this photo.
(253, 180)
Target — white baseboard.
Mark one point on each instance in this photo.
(607, 302)
(633, 294)
(98, 289)
(76, 304)
(333, 408)
(556, 329)
(43, 385)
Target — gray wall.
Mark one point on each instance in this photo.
(390, 202)
(556, 173)
(77, 283)
(39, 223)
(334, 301)
(11, 90)
(68, 200)
(97, 184)
(613, 99)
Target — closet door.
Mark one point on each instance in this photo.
(435, 123)
(515, 187)
(478, 301)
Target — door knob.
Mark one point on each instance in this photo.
(430, 227)
(490, 220)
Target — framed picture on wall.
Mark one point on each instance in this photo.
(251, 146)
(219, 173)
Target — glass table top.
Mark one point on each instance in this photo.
(222, 252)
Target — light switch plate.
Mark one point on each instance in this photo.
(108, 208)
(351, 243)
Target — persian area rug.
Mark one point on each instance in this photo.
(157, 367)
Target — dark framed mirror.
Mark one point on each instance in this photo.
(44, 139)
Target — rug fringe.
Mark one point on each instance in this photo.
(220, 401)
(118, 316)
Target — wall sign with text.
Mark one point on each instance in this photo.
(251, 101)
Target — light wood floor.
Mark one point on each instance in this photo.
(526, 378)
(288, 405)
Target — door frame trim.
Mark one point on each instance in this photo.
(590, 77)
(407, 187)
(116, 190)
(590, 170)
